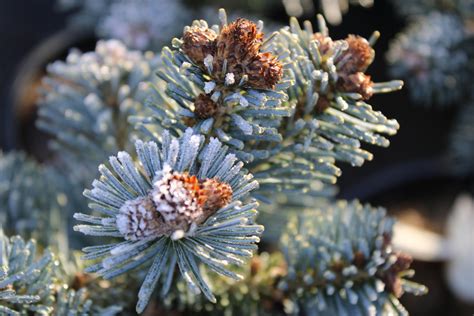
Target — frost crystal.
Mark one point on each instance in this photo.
(209, 86)
(208, 61)
(229, 79)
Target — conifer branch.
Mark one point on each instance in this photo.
(183, 204)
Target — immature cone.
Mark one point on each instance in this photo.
(359, 83)
(264, 72)
(198, 43)
(323, 104)
(361, 55)
(138, 219)
(238, 47)
(359, 259)
(358, 57)
(325, 42)
(204, 107)
(216, 194)
(392, 280)
(239, 43)
(350, 67)
(175, 196)
(182, 199)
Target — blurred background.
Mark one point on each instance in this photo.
(429, 163)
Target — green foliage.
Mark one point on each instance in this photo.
(33, 200)
(32, 284)
(336, 260)
(331, 119)
(26, 283)
(231, 116)
(434, 64)
(341, 262)
(247, 115)
(138, 205)
(256, 294)
(87, 100)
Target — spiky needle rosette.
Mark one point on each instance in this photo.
(225, 85)
(430, 56)
(88, 98)
(179, 204)
(332, 116)
(341, 262)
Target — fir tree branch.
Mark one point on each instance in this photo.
(331, 116)
(32, 284)
(87, 100)
(163, 210)
(341, 262)
(431, 56)
(34, 199)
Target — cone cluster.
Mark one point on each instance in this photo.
(176, 201)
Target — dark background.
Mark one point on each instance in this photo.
(410, 177)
